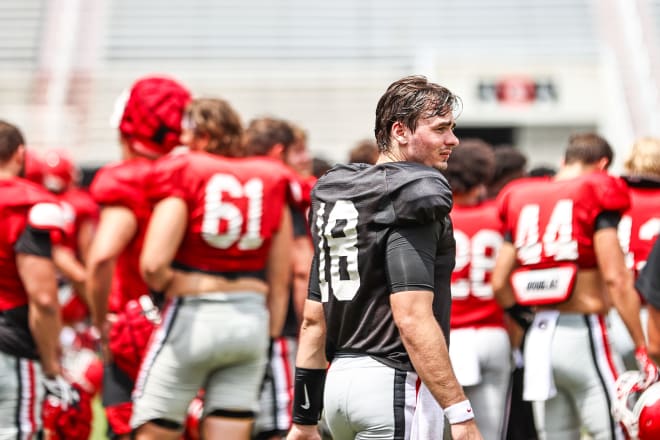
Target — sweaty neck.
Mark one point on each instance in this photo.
(574, 170)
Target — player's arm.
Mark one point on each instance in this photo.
(66, 262)
(85, 236)
(520, 317)
(410, 260)
(620, 288)
(116, 228)
(311, 365)
(164, 235)
(37, 272)
(278, 273)
(301, 254)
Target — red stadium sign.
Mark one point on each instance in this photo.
(517, 91)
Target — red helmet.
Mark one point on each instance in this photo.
(34, 167)
(637, 410)
(151, 119)
(59, 171)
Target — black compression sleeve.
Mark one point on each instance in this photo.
(308, 395)
(607, 219)
(299, 222)
(410, 257)
(34, 242)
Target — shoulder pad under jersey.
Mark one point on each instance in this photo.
(122, 184)
(611, 192)
(418, 194)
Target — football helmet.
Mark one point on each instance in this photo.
(637, 409)
(59, 170)
(151, 118)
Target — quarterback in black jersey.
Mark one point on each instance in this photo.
(379, 297)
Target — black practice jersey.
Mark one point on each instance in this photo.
(354, 210)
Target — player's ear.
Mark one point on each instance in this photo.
(603, 163)
(398, 132)
(276, 152)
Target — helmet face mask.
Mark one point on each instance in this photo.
(638, 410)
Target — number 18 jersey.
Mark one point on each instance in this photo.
(354, 209)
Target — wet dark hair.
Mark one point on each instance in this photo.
(407, 101)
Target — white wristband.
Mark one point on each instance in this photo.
(459, 412)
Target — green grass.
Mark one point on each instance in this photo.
(99, 426)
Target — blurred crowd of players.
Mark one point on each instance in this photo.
(100, 323)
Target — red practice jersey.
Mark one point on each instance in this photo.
(554, 220)
(478, 235)
(79, 207)
(123, 184)
(234, 208)
(640, 225)
(19, 196)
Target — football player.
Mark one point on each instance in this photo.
(638, 228)
(562, 257)
(479, 350)
(379, 296)
(224, 265)
(149, 127)
(30, 320)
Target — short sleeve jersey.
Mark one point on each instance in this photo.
(554, 220)
(478, 234)
(18, 197)
(640, 225)
(79, 207)
(354, 209)
(234, 208)
(122, 184)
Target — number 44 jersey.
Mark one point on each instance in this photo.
(354, 210)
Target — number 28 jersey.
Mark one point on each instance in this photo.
(478, 234)
(234, 208)
(354, 209)
(554, 220)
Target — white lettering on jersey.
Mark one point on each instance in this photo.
(647, 232)
(480, 254)
(217, 209)
(341, 248)
(558, 241)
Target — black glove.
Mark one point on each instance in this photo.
(523, 315)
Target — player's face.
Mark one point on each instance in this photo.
(432, 142)
(298, 158)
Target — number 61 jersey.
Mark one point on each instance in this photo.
(234, 208)
(354, 209)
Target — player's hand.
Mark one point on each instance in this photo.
(304, 432)
(647, 367)
(60, 390)
(465, 431)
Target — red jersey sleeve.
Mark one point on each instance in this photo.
(168, 177)
(115, 184)
(611, 192)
